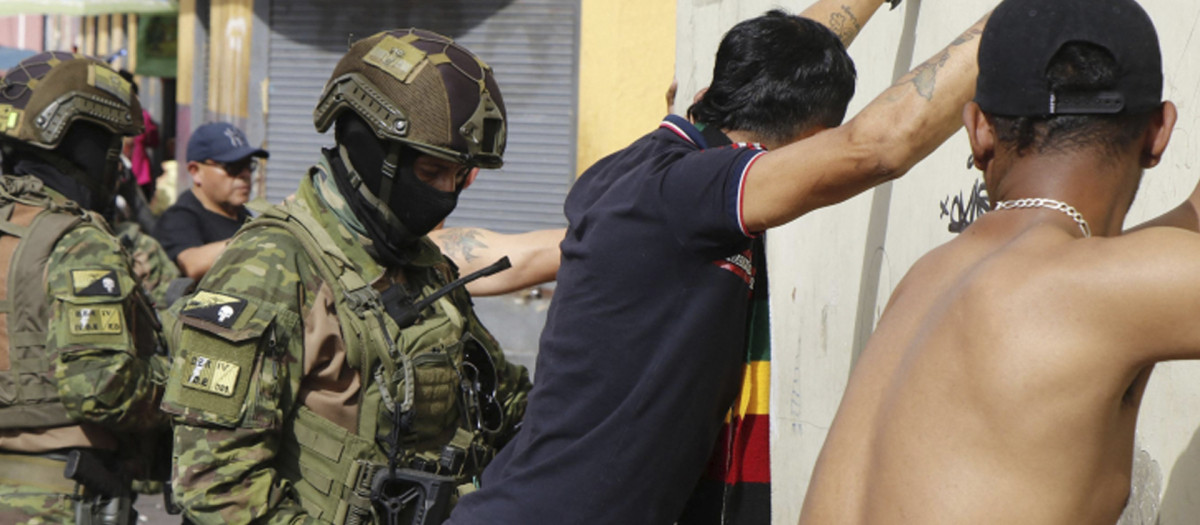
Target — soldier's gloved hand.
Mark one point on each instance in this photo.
(894, 3)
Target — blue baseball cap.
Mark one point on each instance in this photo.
(222, 142)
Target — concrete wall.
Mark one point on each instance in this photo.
(833, 270)
(626, 58)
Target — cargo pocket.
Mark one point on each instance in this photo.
(224, 371)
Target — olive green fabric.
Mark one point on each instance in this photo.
(151, 265)
(271, 459)
(28, 391)
(93, 341)
(99, 340)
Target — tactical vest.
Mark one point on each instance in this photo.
(31, 224)
(413, 371)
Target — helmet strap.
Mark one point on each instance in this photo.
(391, 165)
(379, 205)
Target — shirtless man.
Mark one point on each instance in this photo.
(1003, 381)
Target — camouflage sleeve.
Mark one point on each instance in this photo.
(238, 356)
(152, 267)
(99, 334)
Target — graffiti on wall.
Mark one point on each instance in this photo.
(962, 211)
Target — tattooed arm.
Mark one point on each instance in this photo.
(844, 17)
(891, 134)
(534, 256)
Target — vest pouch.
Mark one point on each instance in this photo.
(435, 396)
(225, 371)
(329, 469)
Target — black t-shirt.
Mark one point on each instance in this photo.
(643, 346)
(187, 224)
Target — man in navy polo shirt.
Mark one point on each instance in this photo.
(195, 230)
(641, 354)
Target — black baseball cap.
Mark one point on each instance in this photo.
(1023, 35)
(222, 142)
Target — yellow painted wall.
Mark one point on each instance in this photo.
(229, 58)
(627, 60)
(187, 54)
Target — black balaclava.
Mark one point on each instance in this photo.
(84, 166)
(411, 209)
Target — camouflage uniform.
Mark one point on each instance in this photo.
(100, 349)
(263, 359)
(151, 265)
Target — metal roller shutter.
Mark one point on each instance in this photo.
(531, 45)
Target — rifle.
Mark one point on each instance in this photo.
(107, 498)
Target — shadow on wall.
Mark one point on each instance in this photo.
(1181, 499)
(341, 24)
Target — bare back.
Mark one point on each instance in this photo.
(999, 387)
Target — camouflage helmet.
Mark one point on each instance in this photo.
(43, 95)
(421, 89)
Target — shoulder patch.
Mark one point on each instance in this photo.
(96, 319)
(211, 375)
(95, 283)
(222, 310)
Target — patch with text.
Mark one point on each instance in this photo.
(212, 375)
(96, 319)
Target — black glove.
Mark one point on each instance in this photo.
(894, 3)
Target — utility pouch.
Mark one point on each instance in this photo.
(411, 497)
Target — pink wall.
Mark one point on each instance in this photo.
(23, 31)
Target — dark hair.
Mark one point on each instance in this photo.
(1077, 66)
(128, 76)
(776, 76)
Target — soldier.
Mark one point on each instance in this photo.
(327, 367)
(78, 376)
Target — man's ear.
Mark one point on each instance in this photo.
(1158, 134)
(470, 178)
(980, 133)
(193, 168)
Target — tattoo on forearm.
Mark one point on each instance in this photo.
(462, 242)
(845, 25)
(924, 76)
(968, 36)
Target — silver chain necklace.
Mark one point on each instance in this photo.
(1051, 204)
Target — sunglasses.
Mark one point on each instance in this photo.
(235, 168)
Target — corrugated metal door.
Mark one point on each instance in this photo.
(531, 45)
